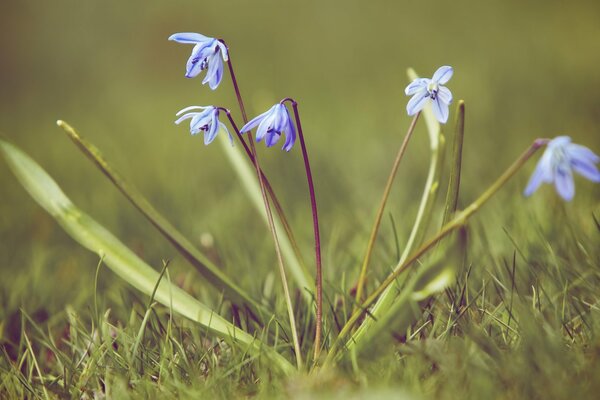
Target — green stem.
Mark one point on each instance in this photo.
(455, 223)
(386, 193)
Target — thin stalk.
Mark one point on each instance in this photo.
(386, 193)
(459, 220)
(454, 181)
(313, 204)
(271, 223)
(276, 203)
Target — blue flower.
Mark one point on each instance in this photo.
(208, 53)
(206, 120)
(271, 125)
(423, 89)
(557, 164)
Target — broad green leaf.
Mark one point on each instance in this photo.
(191, 253)
(120, 259)
(249, 180)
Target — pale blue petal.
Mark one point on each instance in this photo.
(184, 117)
(199, 121)
(189, 37)
(212, 75)
(417, 102)
(443, 74)
(563, 182)
(271, 138)
(264, 126)
(290, 135)
(444, 94)
(416, 85)
(183, 110)
(440, 110)
(194, 64)
(255, 121)
(579, 152)
(586, 169)
(559, 141)
(536, 179)
(213, 129)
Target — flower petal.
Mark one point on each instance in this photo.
(290, 135)
(417, 102)
(194, 64)
(579, 152)
(444, 94)
(416, 85)
(255, 121)
(188, 37)
(264, 126)
(563, 182)
(586, 169)
(213, 77)
(213, 129)
(539, 175)
(183, 110)
(440, 110)
(443, 74)
(271, 138)
(184, 117)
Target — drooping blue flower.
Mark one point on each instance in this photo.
(423, 89)
(271, 124)
(208, 53)
(557, 164)
(206, 120)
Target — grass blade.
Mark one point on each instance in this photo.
(191, 253)
(120, 259)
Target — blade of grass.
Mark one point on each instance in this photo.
(120, 259)
(191, 253)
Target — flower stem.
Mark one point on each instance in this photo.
(287, 227)
(313, 204)
(271, 223)
(459, 220)
(386, 192)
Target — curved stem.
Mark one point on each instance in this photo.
(313, 203)
(286, 226)
(271, 223)
(459, 220)
(386, 193)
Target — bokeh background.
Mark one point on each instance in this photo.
(524, 69)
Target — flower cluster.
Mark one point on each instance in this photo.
(556, 166)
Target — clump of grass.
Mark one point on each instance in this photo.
(453, 317)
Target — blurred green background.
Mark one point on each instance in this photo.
(525, 69)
